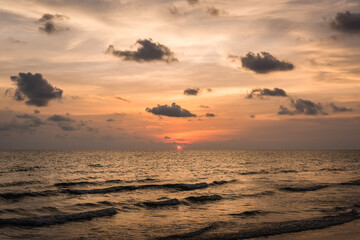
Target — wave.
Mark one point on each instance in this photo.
(24, 169)
(254, 172)
(288, 171)
(68, 184)
(259, 194)
(170, 202)
(205, 198)
(352, 183)
(276, 228)
(15, 196)
(96, 165)
(249, 213)
(57, 219)
(190, 234)
(101, 190)
(222, 182)
(19, 183)
(182, 187)
(304, 189)
(332, 169)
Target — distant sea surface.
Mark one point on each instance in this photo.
(175, 194)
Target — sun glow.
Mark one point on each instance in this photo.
(179, 148)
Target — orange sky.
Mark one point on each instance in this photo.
(105, 94)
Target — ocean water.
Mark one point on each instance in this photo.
(175, 194)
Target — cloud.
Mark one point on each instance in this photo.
(51, 23)
(262, 62)
(110, 120)
(122, 99)
(28, 122)
(65, 123)
(339, 109)
(346, 22)
(36, 111)
(146, 52)
(212, 11)
(170, 111)
(252, 116)
(192, 91)
(258, 92)
(166, 137)
(192, 2)
(209, 115)
(204, 106)
(59, 118)
(176, 12)
(302, 106)
(35, 88)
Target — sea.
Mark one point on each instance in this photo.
(188, 194)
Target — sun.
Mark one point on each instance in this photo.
(179, 148)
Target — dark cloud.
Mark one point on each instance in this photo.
(252, 115)
(192, 91)
(346, 22)
(192, 2)
(122, 99)
(28, 122)
(16, 41)
(110, 120)
(59, 118)
(170, 111)
(339, 109)
(64, 122)
(176, 12)
(52, 23)
(209, 115)
(262, 62)
(146, 52)
(166, 137)
(35, 88)
(258, 92)
(213, 11)
(209, 90)
(36, 111)
(302, 106)
(204, 106)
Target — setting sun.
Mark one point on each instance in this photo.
(179, 148)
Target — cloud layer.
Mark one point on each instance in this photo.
(147, 51)
(35, 88)
(170, 111)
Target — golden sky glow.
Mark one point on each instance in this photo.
(105, 95)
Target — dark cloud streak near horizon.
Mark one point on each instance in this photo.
(339, 109)
(29, 122)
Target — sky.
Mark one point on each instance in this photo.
(201, 74)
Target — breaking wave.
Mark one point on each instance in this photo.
(57, 219)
